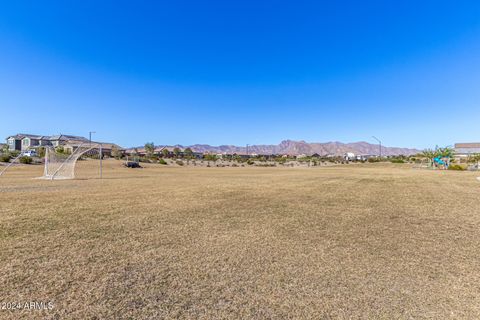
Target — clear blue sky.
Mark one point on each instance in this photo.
(237, 72)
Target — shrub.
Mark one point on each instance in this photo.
(456, 167)
(26, 160)
(161, 161)
(5, 158)
(397, 161)
(179, 162)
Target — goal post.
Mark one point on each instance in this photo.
(61, 165)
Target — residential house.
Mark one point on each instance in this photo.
(349, 156)
(62, 139)
(23, 142)
(15, 142)
(71, 145)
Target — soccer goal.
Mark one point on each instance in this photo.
(60, 163)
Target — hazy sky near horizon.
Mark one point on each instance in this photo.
(238, 72)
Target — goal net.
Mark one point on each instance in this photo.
(60, 163)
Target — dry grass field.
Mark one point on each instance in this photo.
(345, 242)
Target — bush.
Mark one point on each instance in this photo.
(26, 160)
(179, 162)
(161, 161)
(456, 167)
(397, 161)
(5, 158)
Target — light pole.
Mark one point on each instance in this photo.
(90, 136)
(100, 151)
(379, 144)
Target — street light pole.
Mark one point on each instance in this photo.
(90, 136)
(379, 144)
(100, 152)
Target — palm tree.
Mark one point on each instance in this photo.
(430, 155)
(446, 154)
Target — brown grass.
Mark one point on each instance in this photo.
(371, 242)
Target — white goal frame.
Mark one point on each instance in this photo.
(52, 173)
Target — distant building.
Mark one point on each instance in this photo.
(464, 150)
(349, 156)
(24, 141)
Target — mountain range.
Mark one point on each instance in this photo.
(291, 147)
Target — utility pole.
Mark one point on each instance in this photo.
(101, 156)
(247, 148)
(90, 136)
(100, 151)
(379, 145)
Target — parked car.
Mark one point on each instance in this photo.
(29, 153)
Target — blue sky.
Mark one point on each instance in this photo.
(238, 72)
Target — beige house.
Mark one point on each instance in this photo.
(71, 145)
(23, 142)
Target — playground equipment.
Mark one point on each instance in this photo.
(438, 161)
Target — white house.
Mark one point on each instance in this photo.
(349, 156)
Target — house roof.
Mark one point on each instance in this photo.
(467, 145)
(105, 145)
(66, 137)
(63, 137)
(20, 136)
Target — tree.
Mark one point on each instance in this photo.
(165, 152)
(430, 155)
(149, 149)
(446, 152)
(188, 154)
(476, 159)
(116, 153)
(41, 152)
(176, 151)
(210, 157)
